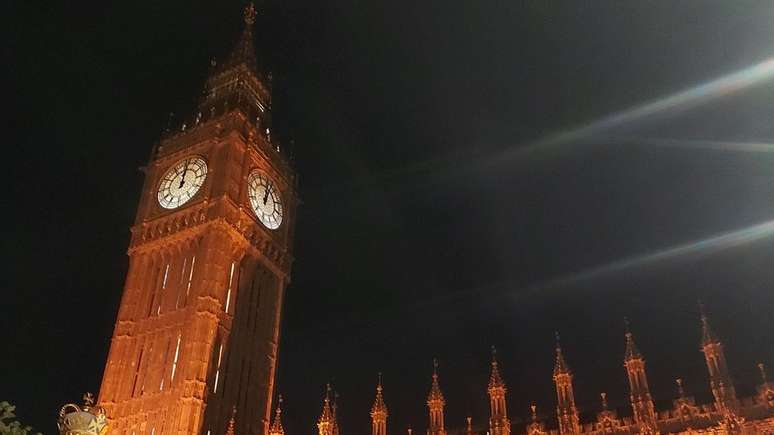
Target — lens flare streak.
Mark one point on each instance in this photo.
(705, 246)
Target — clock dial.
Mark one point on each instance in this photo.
(181, 182)
(265, 199)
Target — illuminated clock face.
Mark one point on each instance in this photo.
(265, 199)
(181, 182)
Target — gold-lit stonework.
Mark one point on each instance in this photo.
(197, 333)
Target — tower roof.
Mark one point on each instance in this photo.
(276, 426)
(632, 352)
(560, 365)
(495, 380)
(435, 389)
(379, 406)
(230, 430)
(326, 416)
(707, 335)
(244, 50)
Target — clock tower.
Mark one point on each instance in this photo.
(198, 326)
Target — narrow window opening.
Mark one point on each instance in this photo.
(137, 371)
(164, 365)
(230, 285)
(190, 277)
(217, 369)
(182, 281)
(161, 292)
(174, 361)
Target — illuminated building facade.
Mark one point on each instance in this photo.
(728, 414)
(195, 344)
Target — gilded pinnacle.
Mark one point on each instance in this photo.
(250, 14)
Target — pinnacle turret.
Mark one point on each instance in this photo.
(379, 406)
(560, 365)
(632, 352)
(495, 380)
(244, 50)
(435, 394)
(707, 334)
(326, 421)
(276, 426)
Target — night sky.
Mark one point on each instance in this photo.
(436, 219)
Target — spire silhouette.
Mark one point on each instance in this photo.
(632, 352)
(495, 380)
(276, 426)
(560, 365)
(244, 50)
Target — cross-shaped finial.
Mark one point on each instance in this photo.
(762, 369)
(88, 400)
(680, 389)
(250, 14)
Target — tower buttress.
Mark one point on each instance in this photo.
(498, 413)
(639, 391)
(720, 379)
(435, 405)
(566, 412)
(379, 412)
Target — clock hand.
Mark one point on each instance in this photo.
(182, 179)
(266, 196)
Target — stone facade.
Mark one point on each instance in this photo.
(197, 334)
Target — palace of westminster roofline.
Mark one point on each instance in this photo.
(727, 414)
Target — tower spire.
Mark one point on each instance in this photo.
(230, 430)
(326, 420)
(379, 412)
(715, 357)
(276, 426)
(566, 411)
(244, 50)
(498, 414)
(639, 390)
(707, 334)
(632, 352)
(435, 405)
(560, 365)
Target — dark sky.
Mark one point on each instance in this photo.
(429, 227)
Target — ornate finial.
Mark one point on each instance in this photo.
(231, 430)
(88, 401)
(250, 14)
(533, 410)
(89, 420)
(558, 340)
(276, 426)
(560, 365)
(604, 400)
(707, 335)
(379, 385)
(680, 389)
(631, 352)
(762, 369)
(435, 389)
(468, 424)
(409, 430)
(495, 380)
